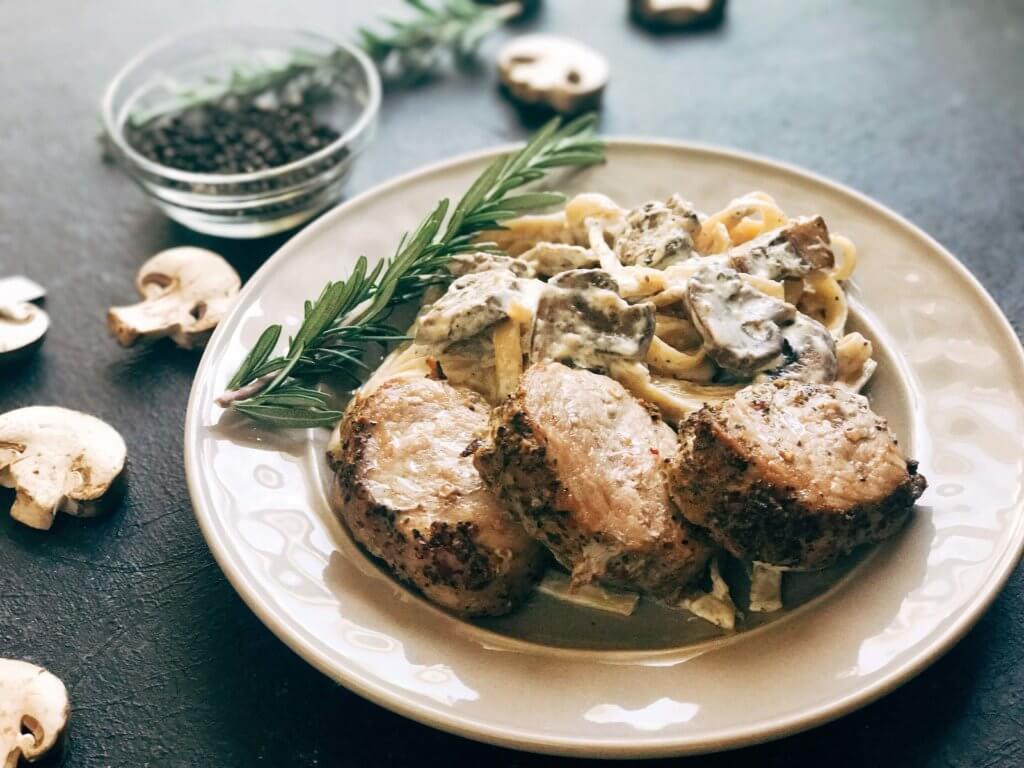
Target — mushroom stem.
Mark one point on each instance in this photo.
(229, 396)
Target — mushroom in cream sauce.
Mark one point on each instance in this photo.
(658, 234)
(790, 251)
(739, 324)
(550, 259)
(484, 261)
(809, 351)
(582, 319)
(471, 304)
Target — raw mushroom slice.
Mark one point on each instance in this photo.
(34, 712)
(658, 234)
(186, 293)
(739, 324)
(790, 251)
(57, 459)
(678, 14)
(557, 72)
(22, 328)
(582, 320)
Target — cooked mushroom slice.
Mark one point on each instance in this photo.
(54, 459)
(809, 352)
(33, 712)
(482, 261)
(738, 323)
(472, 303)
(22, 328)
(186, 293)
(658, 234)
(581, 319)
(558, 72)
(550, 259)
(677, 14)
(790, 251)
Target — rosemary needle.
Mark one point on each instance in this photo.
(349, 314)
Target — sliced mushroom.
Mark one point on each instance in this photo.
(790, 251)
(484, 261)
(22, 328)
(186, 293)
(658, 234)
(57, 459)
(557, 72)
(738, 323)
(677, 14)
(34, 712)
(20, 290)
(582, 320)
(472, 304)
(809, 351)
(550, 259)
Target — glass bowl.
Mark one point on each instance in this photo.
(176, 73)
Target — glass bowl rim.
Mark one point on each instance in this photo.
(115, 134)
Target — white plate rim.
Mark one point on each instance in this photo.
(516, 738)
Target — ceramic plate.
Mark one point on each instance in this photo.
(560, 679)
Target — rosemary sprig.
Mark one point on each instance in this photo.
(411, 49)
(350, 314)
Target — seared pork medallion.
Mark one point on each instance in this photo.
(582, 464)
(408, 492)
(793, 474)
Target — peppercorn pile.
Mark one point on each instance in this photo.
(231, 135)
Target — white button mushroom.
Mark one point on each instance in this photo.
(33, 712)
(22, 325)
(187, 291)
(677, 14)
(57, 459)
(558, 72)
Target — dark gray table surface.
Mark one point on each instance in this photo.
(918, 104)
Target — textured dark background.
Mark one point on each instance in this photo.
(918, 104)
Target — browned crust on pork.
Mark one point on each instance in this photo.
(755, 515)
(514, 463)
(454, 569)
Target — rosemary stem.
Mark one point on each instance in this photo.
(229, 396)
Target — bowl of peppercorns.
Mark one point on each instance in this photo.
(242, 132)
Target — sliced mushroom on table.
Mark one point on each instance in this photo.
(581, 319)
(678, 14)
(57, 459)
(553, 71)
(34, 712)
(23, 325)
(186, 292)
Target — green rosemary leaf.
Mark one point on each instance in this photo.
(257, 355)
(351, 314)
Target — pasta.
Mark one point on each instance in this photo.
(678, 369)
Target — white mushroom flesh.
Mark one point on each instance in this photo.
(558, 72)
(550, 259)
(57, 459)
(22, 327)
(186, 291)
(34, 712)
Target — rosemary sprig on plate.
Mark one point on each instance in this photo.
(350, 314)
(412, 48)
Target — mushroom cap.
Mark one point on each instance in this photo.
(56, 458)
(22, 328)
(186, 292)
(32, 700)
(558, 71)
